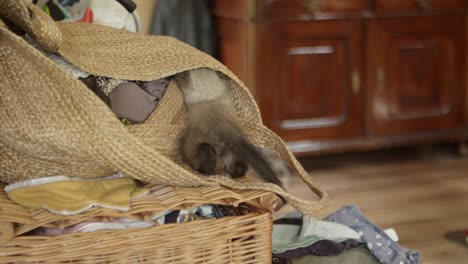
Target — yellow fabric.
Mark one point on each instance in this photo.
(65, 195)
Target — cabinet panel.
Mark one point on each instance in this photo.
(274, 8)
(416, 74)
(419, 81)
(309, 66)
(335, 75)
(233, 9)
(232, 47)
(398, 5)
(309, 82)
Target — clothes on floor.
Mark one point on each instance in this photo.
(320, 248)
(358, 255)
(72, 195)
(345, 236)
(290, 237)
(378, 242)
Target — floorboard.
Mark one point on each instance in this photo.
(422, 195)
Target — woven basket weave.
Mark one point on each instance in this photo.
(237, 239)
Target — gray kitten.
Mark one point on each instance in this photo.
(214, 142)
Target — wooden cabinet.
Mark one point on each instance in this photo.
(313, 74)
(418, 83)
(338, 75)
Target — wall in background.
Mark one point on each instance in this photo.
(146, 9)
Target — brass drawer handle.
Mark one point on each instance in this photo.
(424, 4)
(313, 6)
(381, 79)
(355, 81)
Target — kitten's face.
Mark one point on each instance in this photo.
(231, 164)
(219, 160)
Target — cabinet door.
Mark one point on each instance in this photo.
(309, 82)
(416, 74)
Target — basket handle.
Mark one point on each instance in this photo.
(308, 207)
(36, 23)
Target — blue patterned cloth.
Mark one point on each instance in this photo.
(378, 242)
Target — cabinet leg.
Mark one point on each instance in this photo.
(462, 148)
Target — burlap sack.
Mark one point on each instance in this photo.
(52, 124)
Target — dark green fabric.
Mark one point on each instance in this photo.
(358, 255)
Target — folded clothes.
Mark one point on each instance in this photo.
(378, 242)
(118, 224)
(207, 211)
(156, 88)
(107, 85)
(71, 195)
(135, 101)
(66, 66)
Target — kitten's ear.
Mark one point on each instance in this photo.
(180, 74)
(222, 75)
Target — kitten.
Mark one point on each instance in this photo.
(214, 142)
(282, 169)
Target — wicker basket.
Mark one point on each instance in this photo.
(53, 124)
(67, 130)
(237, 239)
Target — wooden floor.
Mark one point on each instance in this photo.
(422, 194)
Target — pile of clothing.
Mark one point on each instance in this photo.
(131, 101)
(69, 196)
(208, 211)
(345, 237)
